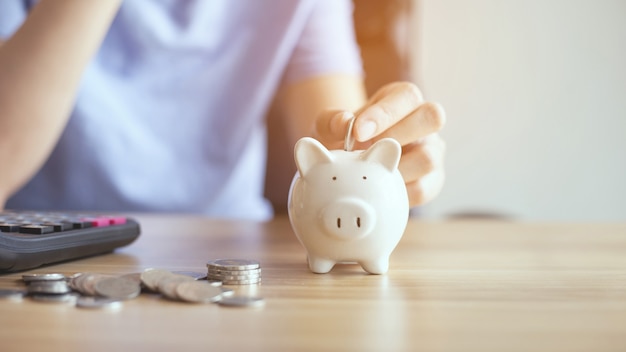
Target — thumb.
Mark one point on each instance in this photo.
(331, 127)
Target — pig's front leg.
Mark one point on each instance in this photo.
(376, 266)
(320, 265)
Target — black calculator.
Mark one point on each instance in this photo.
(29, 239)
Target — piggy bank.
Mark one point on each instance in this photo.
(348, 206)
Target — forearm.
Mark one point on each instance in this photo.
(40, 70)
(302, 103)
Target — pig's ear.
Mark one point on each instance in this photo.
(308, 153)
(386, 151)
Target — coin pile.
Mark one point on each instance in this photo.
(114, 287)
(181, 287)
(48, 288)
(178, 287)
(92, 290)
(234, 271)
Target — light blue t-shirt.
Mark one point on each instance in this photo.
(169, 114)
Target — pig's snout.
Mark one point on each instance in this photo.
(349, 218)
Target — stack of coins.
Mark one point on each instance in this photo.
(234, 271)
(50, 287)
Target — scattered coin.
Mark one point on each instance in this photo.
(136, 277)
(86, 283)
(168, 284)
(198, 292)
(51, 298)
(43, 277)
(117, 288)
(98, 303)
(99, 291)
(226, 292)
(151, 277)
(196, 275)
(12, 294)
(241, 301)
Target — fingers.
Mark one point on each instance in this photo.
(427, 119)
(331, 127)
(386, 108)
(422, 169)
(422, 158)
(426, 188)
(397, 111)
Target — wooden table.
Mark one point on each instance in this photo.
(452, 286)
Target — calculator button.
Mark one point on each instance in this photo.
(9, 227)
(59, 226)
(79, 224)
(117, 220)
(36, 229)
(98, 222)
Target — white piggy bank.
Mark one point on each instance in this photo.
(348, 206)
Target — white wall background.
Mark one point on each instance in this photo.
(535, 94)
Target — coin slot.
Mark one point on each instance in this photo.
(338, 223)
(358, 222)
(334, 178)
(365, 177)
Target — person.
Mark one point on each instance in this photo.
(158, 105)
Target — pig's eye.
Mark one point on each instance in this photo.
(365, 177)
(334, 178)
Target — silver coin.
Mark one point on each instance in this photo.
(62, 298)
(43, 277)
(49, 287)
(234, 277)
(241, 301)
(117, 288)
(167, 286)
(212, 271)
(86, 283)
(241, 282)
(98, 303)
(233, 264)
(198, 292)
(12, 294)
(73, 281)
(136, 277)
(226, 292)
(151, 277)
(348, 143)
(196, 275)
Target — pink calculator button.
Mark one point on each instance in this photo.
(117, 220)
(98, 222)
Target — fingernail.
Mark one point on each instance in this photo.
(365, 130)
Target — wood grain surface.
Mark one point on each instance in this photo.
(452, 286)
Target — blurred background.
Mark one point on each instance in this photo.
(535, 95)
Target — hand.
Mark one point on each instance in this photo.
(398, 111)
